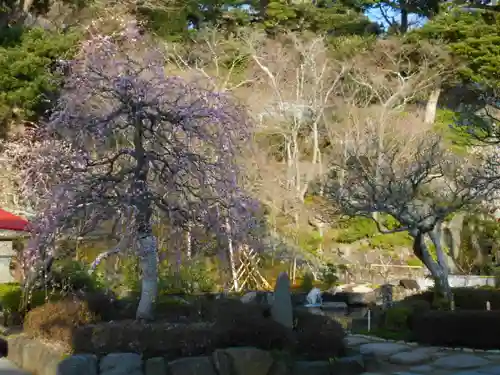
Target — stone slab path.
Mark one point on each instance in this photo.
(400, 358)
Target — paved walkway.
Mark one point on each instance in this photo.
(7, 368)
(399, 358)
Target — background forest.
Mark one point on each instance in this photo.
(330, 87)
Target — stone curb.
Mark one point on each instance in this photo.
(415, 344)
(39, 358)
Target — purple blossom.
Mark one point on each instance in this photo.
(126, 140)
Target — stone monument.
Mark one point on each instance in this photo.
(282, 309)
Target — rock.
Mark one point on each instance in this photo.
(249, 297)
(382, 349)
(460, 361)
(258, 297)
(334, 306)
(353, 365)
(350, 297)
(490, 370)
(281, 309)
(422, 368)
(242, 361)
(311, 368)
(192, 366)
(81, 364)
(121, 364)
(332, 296)
(155, 366)
(314, 296)
(409, 284)
(37, 357)
(356, 340)
(299, 299)
(279, 368)
(414, 357)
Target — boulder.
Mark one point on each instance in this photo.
(258, 297)
(281, 309)
(314, 296)
(191, 366)
(242, 361)
(121, 364)
(334, 306)
(353, 365)
(249, 297)
(311, 368)
(409, 284)
(155, 366)
(299, 298)
(81, 364)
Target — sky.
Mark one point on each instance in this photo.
(375, 15)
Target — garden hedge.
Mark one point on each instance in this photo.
(207, 325)
(463, 328)
(466, 298)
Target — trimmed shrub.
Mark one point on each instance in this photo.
(466, 298)
(466, 328)
(307, 282)
(318, 337)
(397, 318)
(151, 340)
(58, 320)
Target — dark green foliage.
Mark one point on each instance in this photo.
(319, 337)
(307, 282)
(11, 298)
(478, 329)
(70, 275)
(329, 274)
(470, 37)
(209, 324)
(358, 228)
(466, 298)
(28, 80)
(398, 320)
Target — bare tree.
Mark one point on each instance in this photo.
(415, 181)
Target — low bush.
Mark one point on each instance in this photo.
(210, 324)
(58, 320)
(397, 318)
(465, 328)
(318, 337)
(307, 282)
(156, 339)
(466, 298)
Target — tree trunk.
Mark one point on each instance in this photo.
(232, 261)
(148, 248)
(404, 19)
(189, 245)
(431, 107)
(436, 269)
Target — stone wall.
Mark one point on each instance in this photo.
(459, 281)
(43, 359)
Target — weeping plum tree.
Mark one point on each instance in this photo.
(416, 182)
(126, 141)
